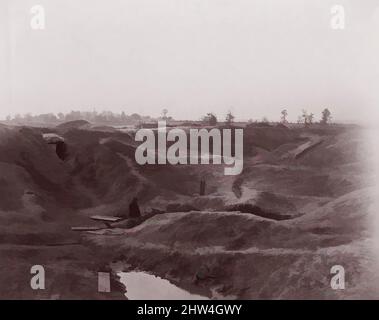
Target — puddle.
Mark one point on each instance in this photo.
(144, 286)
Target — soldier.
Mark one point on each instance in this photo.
(134, 211)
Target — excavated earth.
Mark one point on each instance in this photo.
(304, 202)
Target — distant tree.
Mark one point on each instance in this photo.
(105, 117)
(28, 117)
(265, 120)
(110, 116)
(304, 116)
(100, 118)
(310, 118)
(73, 115)
(307, 118)
(283, 118)
(123, 116)
(17, 117)
(135, 117)
(88, 115)
(229, 118)
(164, 114)
(210, 119)
(93, 115)
(326, 116)
(48, 118)
(61, 116)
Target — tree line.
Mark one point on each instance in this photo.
(105, 117)
(305, 118)
(108, 117)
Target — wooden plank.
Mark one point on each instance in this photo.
(85, 228)
(106, 218)
(52, 138)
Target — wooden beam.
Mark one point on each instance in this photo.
(85, 228)
(106, 218)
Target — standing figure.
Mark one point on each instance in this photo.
(202, 187)
(134, 211)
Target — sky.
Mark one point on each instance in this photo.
(253, 57)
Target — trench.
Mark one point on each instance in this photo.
(256, 210)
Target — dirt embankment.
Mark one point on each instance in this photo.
(241, 255)
(316, 201)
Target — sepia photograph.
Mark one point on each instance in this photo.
(206, 150)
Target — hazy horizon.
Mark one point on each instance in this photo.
(253, 57)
